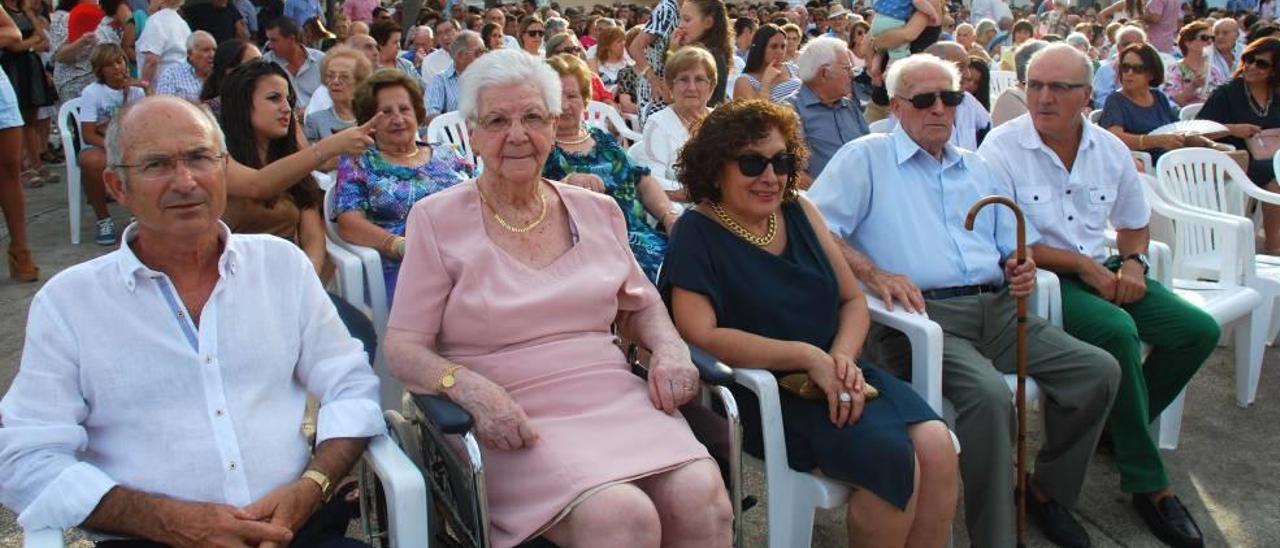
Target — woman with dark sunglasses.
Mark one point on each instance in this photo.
(532, 32)
(1187, 81)
(1247, 105)
(753, 276)
(1138, 107)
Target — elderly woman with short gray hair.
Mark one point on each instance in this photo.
(512, 287)
(1012, 102)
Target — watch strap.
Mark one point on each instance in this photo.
(320, 479)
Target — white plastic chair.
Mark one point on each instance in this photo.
(402, 484)
(451, 127)
(1095, 115)
(1002, 80)
(373, 298)
(605, 117)
(1189, 112)
(69, 130)
(883, 125)
(1204, 238)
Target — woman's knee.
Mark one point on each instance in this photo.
(935, 449)
(620, 515)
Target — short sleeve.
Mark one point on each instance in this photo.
(311, 129)
(842, 192)
(352, 187)
(662, 22)
(424, 284)
(688, 264)
(1112, 113)
(636, 291)
(1217, 106)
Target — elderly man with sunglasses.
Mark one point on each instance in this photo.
(898, 202)
(1072, 178)
(178, 420)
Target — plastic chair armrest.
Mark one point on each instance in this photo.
(42, 538)
(405, 489)
(925, 337)
(450, 417)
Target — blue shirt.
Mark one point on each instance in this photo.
(897, 9)
(301, 10)
(827, 127)
(905, 210)
(442, 92)
(1104, 82)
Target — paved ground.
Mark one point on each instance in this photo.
(1225, 469)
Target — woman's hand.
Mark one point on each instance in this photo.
(1243, 131)
(673, 380)
(588, 181)
(837, 375)
(500, 422)
(772, 74)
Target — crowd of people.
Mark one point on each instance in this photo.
(748, 219)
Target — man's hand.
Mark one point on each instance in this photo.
(895, 287)
(1131, 283)
(1098, 277)
(1020, 277)
(673, 379)
(288, 506)
(205, 524)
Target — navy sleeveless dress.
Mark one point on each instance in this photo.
(794, 296)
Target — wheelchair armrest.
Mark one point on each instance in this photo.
(710, 369)
(42, 538)
(450, 417)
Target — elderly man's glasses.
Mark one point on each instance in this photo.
(926, 100)
(163, 167)
(1138, 68)
(1264, 64)
(752, 165)
(1056, 88)
(502, 122)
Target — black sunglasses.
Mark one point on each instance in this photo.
(1132, 67)
(926, 100)
(534, 32)
(1263, 64)
(752, 165)
(1205, 37)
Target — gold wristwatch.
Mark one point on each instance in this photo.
(448, 379)
(320, 479)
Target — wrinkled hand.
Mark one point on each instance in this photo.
(500, 422)
(351, 141)
(836, 374)
(288, 506)
(896, 287)
(1021, 278)
(673, 379)
(1243, 131)
(585, 180)
(219, 525)
(1131, 283)
(1099, 278)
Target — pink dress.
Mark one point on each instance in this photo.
(544, 336)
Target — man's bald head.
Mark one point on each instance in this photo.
(949, 51)
(359, 27)
(1063, 55)
(132, 123)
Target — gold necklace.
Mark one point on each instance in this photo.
(415, 152)
(503, 222)
(742, 232)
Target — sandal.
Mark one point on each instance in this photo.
(32, 179)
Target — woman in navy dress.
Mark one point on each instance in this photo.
(753, 276)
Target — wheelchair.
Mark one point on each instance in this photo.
(438, 436)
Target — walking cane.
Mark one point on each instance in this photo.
(1021, 348)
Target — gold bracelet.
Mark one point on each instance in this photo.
(1141, 139)
(385, 246)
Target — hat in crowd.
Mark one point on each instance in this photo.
(838, 11)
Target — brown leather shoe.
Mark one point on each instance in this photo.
(21, 266)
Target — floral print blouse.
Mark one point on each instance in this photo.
(385, 192)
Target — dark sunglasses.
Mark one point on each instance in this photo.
(1132, 67)
(1205, 37)
(1263, 64)
(926, 100)
(575, 50)
(534, 33)
(752, 165)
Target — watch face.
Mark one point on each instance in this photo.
(447, 381)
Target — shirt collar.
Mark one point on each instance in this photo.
(906, 148)
(131, 267)
(1031, 138)
(807, 98)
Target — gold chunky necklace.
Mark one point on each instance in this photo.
(742, 231)
(577, 141)
(503, 222)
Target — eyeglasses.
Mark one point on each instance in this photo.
(575, 50)
(693, 81)
(752, 165)
(1205, 38)
(501, 122)
(926, 100)
(1264, 64)
(340, 78)
(163, 167)
(1132, 67)
(1056, 88)
(534, 33)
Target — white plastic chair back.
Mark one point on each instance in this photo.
(884, 125)
(1189, 112)
(605, 117)
(69, 131)
(1198, 177)
(1095, 116)
(451, 127)
(1002, 80)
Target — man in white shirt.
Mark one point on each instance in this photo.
(163, 386)
(1073, 179)
(989, 9)
(163, 42)
(1225, 52)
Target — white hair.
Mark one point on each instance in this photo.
(819, 52)
(1086, 66)
(506, 67)
(894, 79)
(116, 129)
(1130, 29)
(1078, 40)
(197, 35)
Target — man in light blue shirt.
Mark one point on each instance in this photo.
(442, 91)
(898, 201)
(828, 117)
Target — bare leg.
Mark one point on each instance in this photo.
(693, 505)
(618, 515)
(873, 521)
(30, 139)
(1271, 220)
(11, 198)
(92, 162)
(936, 493)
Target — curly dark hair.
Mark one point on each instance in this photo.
(724, 133)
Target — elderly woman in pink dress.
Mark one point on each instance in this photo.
(508, 290)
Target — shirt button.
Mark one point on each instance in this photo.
(208, 360)
(1070, 218)
(232, 466)
(218, 412)
(1068, 191)
(179, 313)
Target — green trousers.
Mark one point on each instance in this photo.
(1181, 335)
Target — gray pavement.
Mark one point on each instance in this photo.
(1225, 470)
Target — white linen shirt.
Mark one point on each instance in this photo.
(118, 386)
(1069, 209)
(164, 35)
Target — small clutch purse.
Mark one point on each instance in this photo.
(801, 386)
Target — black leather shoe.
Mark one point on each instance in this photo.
(1057, 523)
(1169, 521)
